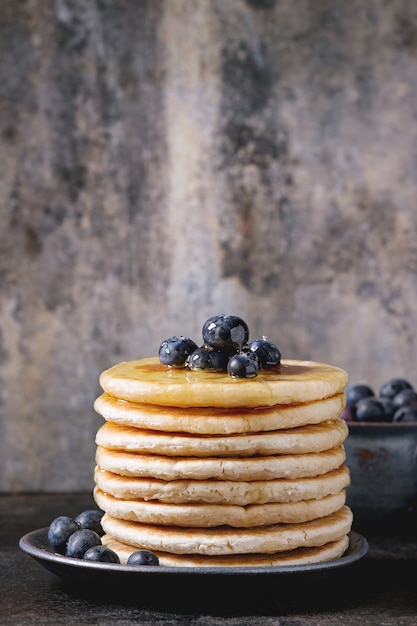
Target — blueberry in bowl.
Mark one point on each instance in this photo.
(381, 450)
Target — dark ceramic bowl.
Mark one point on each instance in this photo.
(382, 459)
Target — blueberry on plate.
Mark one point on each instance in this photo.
(143, 557)
(176, 350)
(60, 530)
(354, 393)
(405, 414)
(394, 386)
(206, 358)
(242, 366)
(267, 352)
(91, 519)
(370, 410)
(101, 554)
(221, 331)
(80, 541)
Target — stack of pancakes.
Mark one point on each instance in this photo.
(208, 470)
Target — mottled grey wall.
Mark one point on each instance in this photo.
(165, 160)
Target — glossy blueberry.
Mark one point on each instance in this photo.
(370, 410)
(91, 519)
(60, 531)
(206, 358)
(143, 557)
(222, 331)
(354, 393)
(393, 387)
(102, 554)
(242, 366)
(80, 541)
(268, 354)
(406, 397)
(405, 414)
(176, 350)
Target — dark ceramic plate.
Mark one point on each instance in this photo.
(36, 545)
(214, 590)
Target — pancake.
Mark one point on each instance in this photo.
(298, 556)
(220, 491)
(240, 469)
(203, 420)
(210, 515)
(225, 540)
(291, 382)
(304, 439)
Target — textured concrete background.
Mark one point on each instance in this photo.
(163, 161)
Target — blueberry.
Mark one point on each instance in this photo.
(102, 554)
(405, 414)
(242, 366)
(370, 410)
(206, 358)
(60, 531)
(406, 397)
(143, 557)
(91, 519)
(394, 386)
(176, 350)
(222, 331)
(388, 406)
(267, 352)
(80, 541)
(354, 393)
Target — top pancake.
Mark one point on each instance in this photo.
(293, 382)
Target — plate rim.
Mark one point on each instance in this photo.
(358, 548)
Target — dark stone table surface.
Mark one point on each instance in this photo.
(380, 589)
